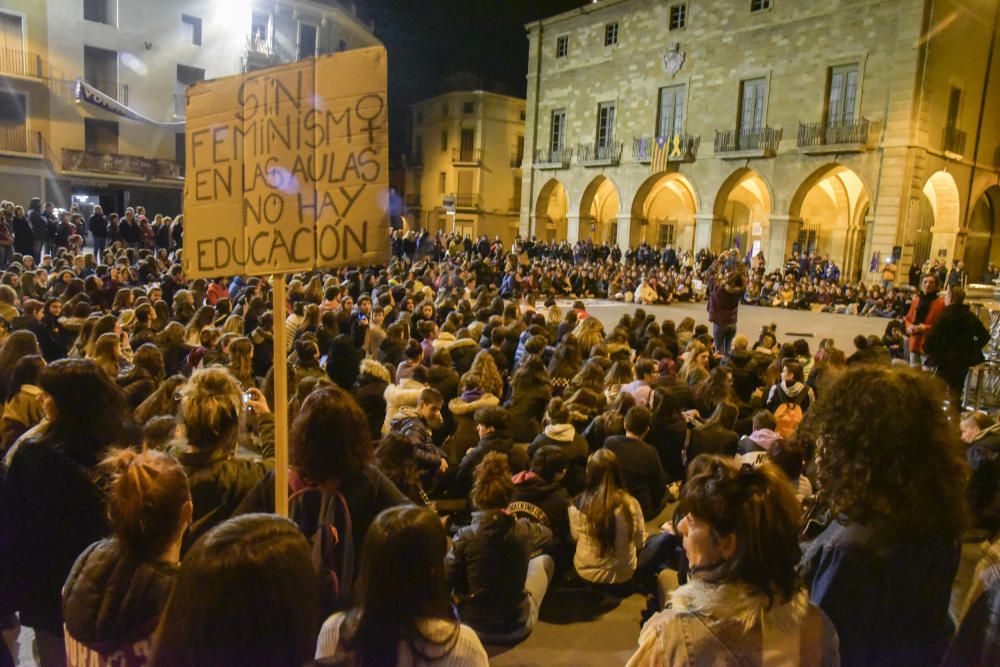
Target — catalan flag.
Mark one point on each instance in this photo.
(876, 257)
(661, 151)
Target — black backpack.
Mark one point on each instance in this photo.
(325, 519)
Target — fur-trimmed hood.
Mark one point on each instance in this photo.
(462, 342)
(460, 407)
(740, 603)
(375, 370)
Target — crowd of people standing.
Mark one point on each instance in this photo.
(462, 445)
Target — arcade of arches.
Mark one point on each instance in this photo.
(829, 214)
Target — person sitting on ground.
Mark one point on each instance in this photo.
(405, 393)
(472, 397)
(539, 493)
(715, 435)
(559, 432)
(418, 425)
(494, 436)
(789, 399)
(498, 586)
(646, 374)
(396, 457)
(119, 586)
(23, 409)
(640, 465)
(409, 603)
(743, 602)
(762, 436)
(245, 595)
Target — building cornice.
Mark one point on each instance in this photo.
(589, 8)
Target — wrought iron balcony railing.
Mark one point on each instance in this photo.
(678, 147)
(860, 133)
(763, 141)
(19, 139)
(954, 141)
(466, 155)
(547, 158)
(16, 62)
(609, 152)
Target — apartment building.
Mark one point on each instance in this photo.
(463, 169)
(855, 129)
(92, 91)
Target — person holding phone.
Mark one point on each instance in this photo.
(359, 320)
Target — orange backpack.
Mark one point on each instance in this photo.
(788, 416)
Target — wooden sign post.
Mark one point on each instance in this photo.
(287, 170)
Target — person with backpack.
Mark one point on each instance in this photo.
(409, 604)
(789, 399)
(335, 490)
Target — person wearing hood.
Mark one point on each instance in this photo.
(761, 438)
(743, 604)
(789, 398)
(118, 587)
(924, 312)
(539, 494)
(724, 296)
(559, 432)
(404, 393)
(417, 424)
(492, 425)
(956, 342)
(463, 350)
(740, 361)
(462, 408)
(369, 392)
(497, 585)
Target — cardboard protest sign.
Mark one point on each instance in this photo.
(287, 167)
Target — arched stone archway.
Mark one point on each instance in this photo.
(742, 217)
(941, 199)
(599, 211)
(984, 225)
(832, 205)
(663, 212)
(551, 210)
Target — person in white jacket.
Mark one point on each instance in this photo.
(405, 393)
(646, 293)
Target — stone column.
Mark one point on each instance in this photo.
(573, 228)
(784, 231)
(624, 232)
(707, 232)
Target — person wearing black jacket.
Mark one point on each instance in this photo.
(24, 238)
(640, 464)
(491, 423)
(956, 341)
(539, 494)
(39, 228)
(98, 226)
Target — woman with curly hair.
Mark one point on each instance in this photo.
(485, 368)
(890, 466)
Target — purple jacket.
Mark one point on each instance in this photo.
(723, 303)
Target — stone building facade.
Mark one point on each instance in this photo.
(142, 54)
(463, 169)
(855, 129)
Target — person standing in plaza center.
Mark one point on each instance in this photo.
(725, 291)
(924, 311)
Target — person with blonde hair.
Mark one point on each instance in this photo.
(485, 368)
(211, 405)
(694, 370)
(107, 354)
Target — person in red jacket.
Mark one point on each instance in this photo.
(924, 311)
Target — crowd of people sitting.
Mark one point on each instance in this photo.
(458, 451)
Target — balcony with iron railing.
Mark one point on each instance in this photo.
(258, 53)
(116, 163)
(15, 62)
(954, 141)
(678, 148)
(548, 158)
(113, 89)
(19, 139)
(466, 156)
(468, 201)
(599, 154)
(748, 142)
(853, 136)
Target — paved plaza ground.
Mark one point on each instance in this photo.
(578, 628)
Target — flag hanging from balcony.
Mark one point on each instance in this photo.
(88, 93)
(661, 152)
(876, 256)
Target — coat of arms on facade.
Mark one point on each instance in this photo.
(673, 59)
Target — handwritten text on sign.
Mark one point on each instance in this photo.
(287, 167)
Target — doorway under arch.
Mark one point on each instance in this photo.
(663, 212)
(984, 225)
(551, 210)
(744, 205)
(599, 212)
(941, 201)
(832, 204)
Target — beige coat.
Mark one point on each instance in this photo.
(614, 568)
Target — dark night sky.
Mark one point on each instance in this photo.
(428, 40)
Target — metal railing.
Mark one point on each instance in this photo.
(19, 139)
(826, 134)
(74, 160)
(559, 157)
(466, 155)
(610, 151)
(180, 104)
(22, 63)
(954, 141)
(113, 89)
(764, 139)
(686, 147)
(467, 200)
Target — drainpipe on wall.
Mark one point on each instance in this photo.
(534, 128)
